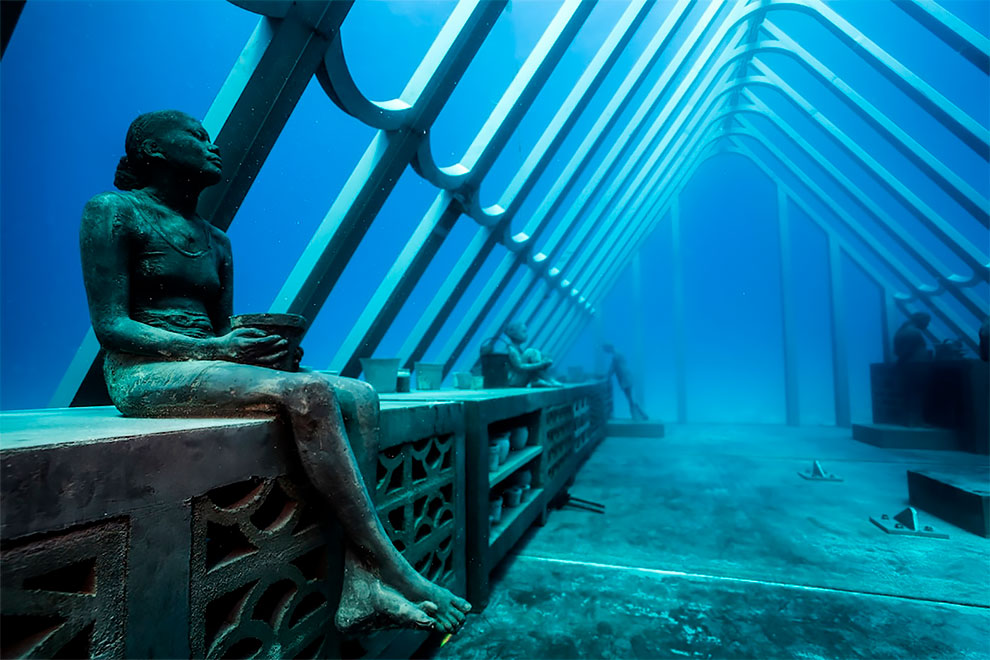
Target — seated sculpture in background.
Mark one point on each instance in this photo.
(620, 369)
(527, 366)
(910, 344)
(159, 283)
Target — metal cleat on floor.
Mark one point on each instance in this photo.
(818, 473)
(906, 523)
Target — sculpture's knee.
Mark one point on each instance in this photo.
(364, 394)
(310, 396)
(532, 356)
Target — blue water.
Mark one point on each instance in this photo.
(76, 73)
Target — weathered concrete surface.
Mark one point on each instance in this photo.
(545, 610)
(629, 428)
(778, 566)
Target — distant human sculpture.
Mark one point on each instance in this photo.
(910, 344)
(620, 369)
(159, 283)
(527, 366)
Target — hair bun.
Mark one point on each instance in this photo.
(124, 178)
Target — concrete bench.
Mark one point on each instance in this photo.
(196, 537)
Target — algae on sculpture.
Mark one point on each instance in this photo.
(159, 283)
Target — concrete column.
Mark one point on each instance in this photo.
(840, 359)
(791, 392)
(639, 330)
(680, 337)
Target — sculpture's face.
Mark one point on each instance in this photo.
(921, 320)
(187, 147)
(517, 333)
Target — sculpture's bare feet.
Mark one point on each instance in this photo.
(451, 610)
(367, 604)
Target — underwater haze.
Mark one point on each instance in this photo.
(670, 231)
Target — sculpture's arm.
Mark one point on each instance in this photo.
(105, 239)
(516, 361)
(220, 316)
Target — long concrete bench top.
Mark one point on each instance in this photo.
(499, 403)
(67, 464)
(30, 429)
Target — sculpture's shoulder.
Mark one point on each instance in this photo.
(219, 237)
(112, 209)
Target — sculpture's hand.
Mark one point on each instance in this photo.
(251, 346)
(548, 363)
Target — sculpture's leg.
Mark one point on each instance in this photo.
(364, 597)
(361, 412)
(395, 594)
(635, 411)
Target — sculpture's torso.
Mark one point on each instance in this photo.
(910, 344)
(175, 267)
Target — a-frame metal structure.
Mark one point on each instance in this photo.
(702, 102)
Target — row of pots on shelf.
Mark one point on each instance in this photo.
(385, 376)
(501, 444)
(511, 497)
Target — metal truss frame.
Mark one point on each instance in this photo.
(707, 98)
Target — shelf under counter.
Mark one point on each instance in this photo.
(516, 460)
(514, 523)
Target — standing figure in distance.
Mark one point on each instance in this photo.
(159, 283)
(620, 369)
(527, 366)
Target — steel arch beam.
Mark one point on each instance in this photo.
(951, 183)
(967, 252)
(443, 303)
(390, 152)
(426, 241)
(956, 34)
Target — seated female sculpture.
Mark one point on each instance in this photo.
(910, 344)
(527, 366)
(159, 283)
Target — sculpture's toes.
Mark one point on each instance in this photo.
(461, 604)
(382, 608)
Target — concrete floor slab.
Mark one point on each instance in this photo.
(548, 610)
(713, 546)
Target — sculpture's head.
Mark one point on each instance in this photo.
(920, 320)
(608, 348)
(516, 331)
(167, 141)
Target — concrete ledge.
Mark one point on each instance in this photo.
(200, 521)
(890, 436)
(627, 428)
(962, 499)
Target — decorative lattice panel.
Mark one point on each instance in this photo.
(601, 410)
(560, 427)
(260, 563)
(414, 494)
(583, 430)
(63, 595)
